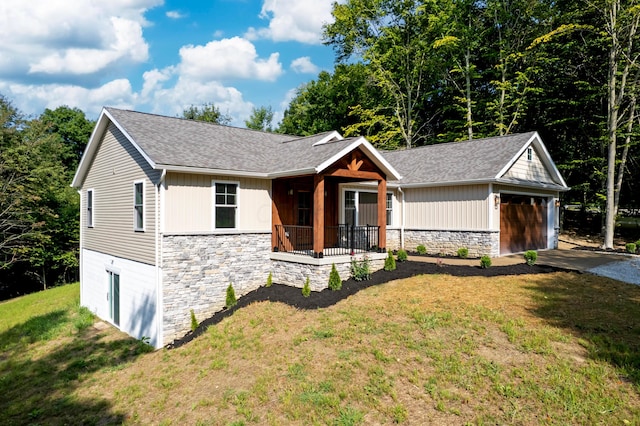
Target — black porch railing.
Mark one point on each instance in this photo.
(338, 240)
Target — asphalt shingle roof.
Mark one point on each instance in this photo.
(477, 159)
(170, 141)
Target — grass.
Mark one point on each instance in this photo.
(558, 348)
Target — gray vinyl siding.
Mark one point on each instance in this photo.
(462, 207)
(115, 168)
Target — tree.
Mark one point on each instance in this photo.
(394, 39)
(74, 130)
(620, 19)
(327, 103)
(260, 119)
(207, 112)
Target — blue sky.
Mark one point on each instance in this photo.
(160, 56)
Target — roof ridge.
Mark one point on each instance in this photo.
(186, 120)
(460, 142)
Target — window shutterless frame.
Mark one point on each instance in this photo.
(138, 205)
(225, 204)
(90, 208)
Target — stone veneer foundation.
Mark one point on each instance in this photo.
(197, 269)
(479, 243)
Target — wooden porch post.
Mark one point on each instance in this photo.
(382, 214)
(318, 216)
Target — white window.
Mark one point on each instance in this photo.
(389, 208)
(529, 154)
(90, 212)
(138, 206)
(225, 212)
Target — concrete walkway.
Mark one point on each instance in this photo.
(621, 267)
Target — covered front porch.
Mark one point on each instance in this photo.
(307, 219)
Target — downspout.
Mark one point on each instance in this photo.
(160, 301)
(80, 268)
(402, 220)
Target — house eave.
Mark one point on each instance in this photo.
(524, 184)
(211, 171)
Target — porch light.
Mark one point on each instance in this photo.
(496, 200)
(290, 192)
(557, 203)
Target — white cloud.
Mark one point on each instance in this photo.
(33, 99)
(174, 14)
(293, 20)
(229, 58)
(173, 100)
(62, 38)
(304, 65)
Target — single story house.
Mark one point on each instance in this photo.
(174, 210)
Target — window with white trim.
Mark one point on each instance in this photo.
(90, 208)
(529, 154)
(361, 208)
(225, 205)
(138, 206)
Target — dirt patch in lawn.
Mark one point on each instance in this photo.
(292, 296)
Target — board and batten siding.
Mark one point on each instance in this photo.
(115, 168)
(188, 203)
(530, 170)
(464, 207)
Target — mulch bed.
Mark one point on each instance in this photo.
(292, 296)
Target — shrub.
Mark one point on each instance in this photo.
(390, 262)
(231, 297)
(463, 252)
(306, 290)
(421, 249)
(360, 270)
(402, 255)
(485, 262)
(631, 247)
(269, 280)
(335, 282)
(194, 321)
(530, 256)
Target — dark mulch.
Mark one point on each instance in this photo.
(293, 296)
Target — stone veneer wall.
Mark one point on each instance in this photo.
(197, 270)
(295, 274)
(393, 239)
(479, 243)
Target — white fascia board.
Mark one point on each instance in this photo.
(292, 173)
(94, 141)
(133, 142)
(89, 151)
(331, 136)
(546, 159)
(373, 154)
(515, 158)
(436, 184)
